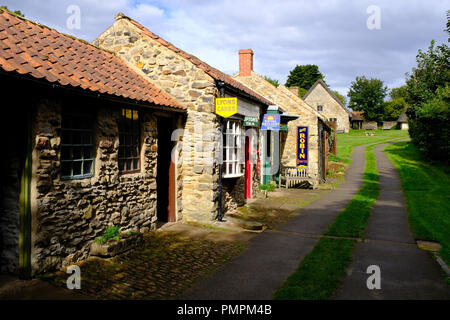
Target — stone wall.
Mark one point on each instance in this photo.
(369, 125)
(68, 214)
(331, 108)
(294, 106)
(9, 205)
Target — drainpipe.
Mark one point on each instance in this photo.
(221, 86)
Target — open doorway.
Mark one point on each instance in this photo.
(165, 180)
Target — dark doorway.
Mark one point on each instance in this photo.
(165, 172)
(14, 192)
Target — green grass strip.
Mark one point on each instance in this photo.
(426, 187)
(320, 272)
(323, 269)
(352, 221)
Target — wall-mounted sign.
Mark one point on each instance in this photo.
(250, 121)
(226, 107)
(271, 122)
(302, 146)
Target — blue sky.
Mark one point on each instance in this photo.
(330, 33)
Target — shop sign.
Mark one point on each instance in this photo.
(226, 107)
(302, 146)
(271, 122)
(250, 121)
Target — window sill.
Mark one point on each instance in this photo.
(232, 175)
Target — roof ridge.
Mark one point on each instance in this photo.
(329, 92)
(289, 95)
(207, 68)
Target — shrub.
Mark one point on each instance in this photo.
(271, 186)
(112, 233)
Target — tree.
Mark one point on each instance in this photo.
(399, 92)
(368, 95)
(272, 81)
(18, 12)
(304, 76)
(448, 24)
(394, 108)
(341, 98)
(428, 97)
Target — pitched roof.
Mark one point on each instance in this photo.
(211, 71)
(403, 117)
(300, 101)
(30, 49)
(357, 115)
(320, 81)
(282, 95)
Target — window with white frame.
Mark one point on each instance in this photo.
(319, 108)
(233, 149)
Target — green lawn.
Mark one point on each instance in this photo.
(322, 270)
(346, 141)
(427, 191)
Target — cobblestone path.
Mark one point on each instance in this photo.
(162, 268)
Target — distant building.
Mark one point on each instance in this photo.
(403, 120)
(320, 97)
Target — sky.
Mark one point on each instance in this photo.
(346, 38)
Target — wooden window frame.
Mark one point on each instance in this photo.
(133, 133)
(233, 146)
(86, 130)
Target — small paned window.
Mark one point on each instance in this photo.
(319, 108)
(129, 141)
(233, 150)
(77, 146)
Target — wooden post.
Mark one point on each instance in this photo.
(333, 125)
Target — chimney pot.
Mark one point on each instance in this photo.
(245, 62)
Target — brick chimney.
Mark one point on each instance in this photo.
(245, 62)
(294, 90)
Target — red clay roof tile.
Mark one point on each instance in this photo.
(31, 49)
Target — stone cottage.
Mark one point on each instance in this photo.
(86, 145)
(320, 97)
(402, 121)
(293, 105)
(218, 180)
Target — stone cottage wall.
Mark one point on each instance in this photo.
(192, 88)
(331, 108)
(68, 214)
(9, 207)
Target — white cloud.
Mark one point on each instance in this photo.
(329, 33)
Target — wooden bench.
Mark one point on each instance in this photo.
(293, 175)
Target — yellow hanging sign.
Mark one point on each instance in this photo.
(226, 107)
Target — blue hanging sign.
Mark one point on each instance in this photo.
(271, 122)
(302, 146)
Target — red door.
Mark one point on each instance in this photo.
(248, 169)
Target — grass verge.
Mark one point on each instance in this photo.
(426, 187)
(352, 221)
(322, 270)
